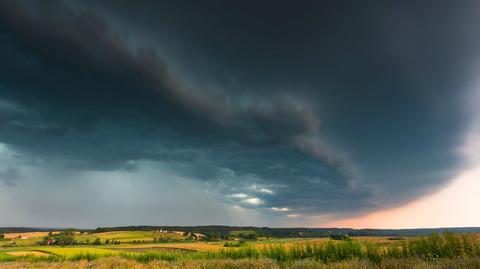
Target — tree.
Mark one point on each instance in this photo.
(248, 236)
(44, 241)
(107, 242)
(65, 238)
(97, 242)
(2, 236)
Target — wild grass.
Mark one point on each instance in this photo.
(436, 246)
(122, 263)
(423, 249)
(446, 246)
(4, 257)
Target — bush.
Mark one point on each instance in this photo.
(340, 237)
(235, 244)
(396, 238)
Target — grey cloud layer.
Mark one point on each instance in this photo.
(363, 130)
(87, 99)
(10, 176)
(84, 43)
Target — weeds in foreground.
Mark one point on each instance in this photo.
(122, 263)
(431, 248)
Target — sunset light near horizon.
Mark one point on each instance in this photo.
(455, 205)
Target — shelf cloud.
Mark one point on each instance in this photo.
(326, 115)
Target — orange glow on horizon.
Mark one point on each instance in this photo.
(456, 205)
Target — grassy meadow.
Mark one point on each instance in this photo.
(153, 249)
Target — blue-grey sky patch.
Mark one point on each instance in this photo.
(10, 176)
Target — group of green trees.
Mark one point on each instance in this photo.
(220, 236)
(215, 236)
(163, 240)
(236, 244)
(64, 238)
(340, 237)
(111, 242)
(98, 242)
(248, 236)
(67, 237)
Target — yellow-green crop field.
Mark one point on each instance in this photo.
(129, 236)
(29, 239)
(435, 251)
(73, 251)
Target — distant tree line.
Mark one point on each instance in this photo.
(215, 232)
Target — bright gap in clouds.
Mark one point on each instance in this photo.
(456, 205)
(253, 201)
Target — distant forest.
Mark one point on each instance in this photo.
(224, 231)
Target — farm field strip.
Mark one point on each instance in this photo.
(196, 246)
(72, 251)
(27, 253)
(27, 235)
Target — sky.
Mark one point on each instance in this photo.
(307, 113)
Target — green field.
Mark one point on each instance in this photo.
(369, 252)
(74, 251)
(21, 242)
(129, 236)
(120, 236)
(4, 256)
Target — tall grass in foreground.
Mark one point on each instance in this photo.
(425, 248)
(434, 246)
(121, 263)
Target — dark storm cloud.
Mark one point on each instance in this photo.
(87, 99)
(134, 80)
(308, 106)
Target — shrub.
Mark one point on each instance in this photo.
(235, 244)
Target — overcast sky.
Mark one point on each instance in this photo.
(275, 113)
